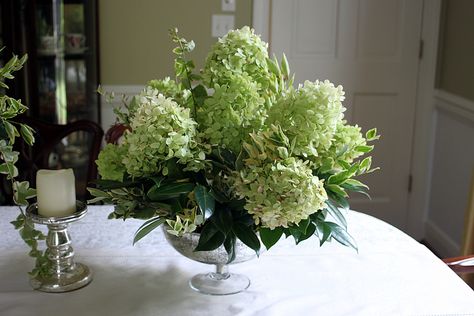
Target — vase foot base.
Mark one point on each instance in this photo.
(74, 279)
(219, 284)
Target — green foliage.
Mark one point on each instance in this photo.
(9, 131)
(236, 152)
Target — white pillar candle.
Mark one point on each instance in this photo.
(56, 192)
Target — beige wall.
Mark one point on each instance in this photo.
(456, 53)
(134, 42)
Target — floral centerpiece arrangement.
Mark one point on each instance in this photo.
(235, 152)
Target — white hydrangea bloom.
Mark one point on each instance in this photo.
(161, 130)
(309, 116)
(281, 193)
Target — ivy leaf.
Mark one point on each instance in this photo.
(22, 192)
(27, 134)
(270, 236)
(147, 227)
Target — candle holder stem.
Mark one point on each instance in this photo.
(64, 275)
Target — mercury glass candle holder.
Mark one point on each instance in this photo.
(65, 274)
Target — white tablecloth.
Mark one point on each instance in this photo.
(391, 275)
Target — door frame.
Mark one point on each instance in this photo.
(423, 125)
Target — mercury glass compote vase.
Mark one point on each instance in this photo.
(220, 282)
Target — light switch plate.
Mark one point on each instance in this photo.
(221, 24)
(228, 5)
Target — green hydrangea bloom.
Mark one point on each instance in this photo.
(309, 116)
(281, 193)
(240, 52)
(346, 139)
(231, 113)
(171, 89)
(161, 130)
(109, 162)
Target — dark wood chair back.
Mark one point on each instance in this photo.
(49, 137)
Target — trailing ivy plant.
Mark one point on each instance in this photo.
(9, 131)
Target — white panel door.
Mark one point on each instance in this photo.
(370, 47)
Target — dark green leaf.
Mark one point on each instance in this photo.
(211, 238)
(309, 232)
(147, 227)
(341, 235)
(270, 236)
(247, 236)
(336, 213)
(223, 220)
(205, 200)
(168, 191)
(229, 245)
(325, 232)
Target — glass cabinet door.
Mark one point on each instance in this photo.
(67, 60)
(67, 76)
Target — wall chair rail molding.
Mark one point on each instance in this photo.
(452, 167)
(107, 108)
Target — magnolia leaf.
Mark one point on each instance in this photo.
(309, 232)
(269, 236)
(247, 236)
(324, 232)
(223, 220)
(169, 191)
(211, 238)
(229, 245)
(205, 200)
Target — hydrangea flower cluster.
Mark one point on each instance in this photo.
(170, 89)
(234, 110)
(110, 163)
(236, 150)
(239, 53)
(281, 193)
(279, 189)
(162, 130)
(309, 115)
(346, 139)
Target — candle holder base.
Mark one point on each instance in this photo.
(66, 281)
(64, 274)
